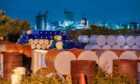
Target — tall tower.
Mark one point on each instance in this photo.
(68, 15)
(38, 21)
(41, 21)
(68, 22)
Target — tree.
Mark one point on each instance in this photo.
(11, 26)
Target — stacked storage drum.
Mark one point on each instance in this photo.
(60, 60)
(39, 39)
(42, 40)
(112, 42)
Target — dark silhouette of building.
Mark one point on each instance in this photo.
(41, 21)
(68, 15)
(132, 25)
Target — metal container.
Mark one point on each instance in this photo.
(125, 68)
(11, 61)
(79, 67)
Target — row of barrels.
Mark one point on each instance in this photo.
(40, 43)
(111, 40)
(49, 37)
(43, 44)
(60, 59)
(44, 41)
(126, 69)
(83, 71)
(94, 46)
(43, 32)
(31, 34)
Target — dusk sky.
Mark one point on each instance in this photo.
(113, 11)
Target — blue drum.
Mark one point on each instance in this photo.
(43, 32)
(35, 32)
(31, 36)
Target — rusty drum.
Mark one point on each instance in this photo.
(79, 67)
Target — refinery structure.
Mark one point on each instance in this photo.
(68, 23)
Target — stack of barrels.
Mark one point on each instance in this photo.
(40, 43)
(110, 41)
(42, 40)
(60, 60)
(43, 44)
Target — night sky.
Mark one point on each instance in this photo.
(113, 11)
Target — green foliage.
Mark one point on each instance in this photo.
(42, 79)
(95, 30)
(11, 26)
(2, 81)
(102, 78)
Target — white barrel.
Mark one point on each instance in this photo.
(92, 46)
(35, 41)
(111, 40)
(40, 41)
(128, 55)
(63, 60)
(88, 55)
(60, 60)
(46, 41)
(135, 47)
(43, 46)
(59, 45)
(92, 39)
(30, 41)
(88, 46)
(38, 46)
(106, 47)
(130, 40)
(101, 40)
(116, 47)
(126, 47)
(96, 47)
(120, 40)
(83, 38)
(33, 46)
(137, 40)
(38, 59)
(106, 61)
